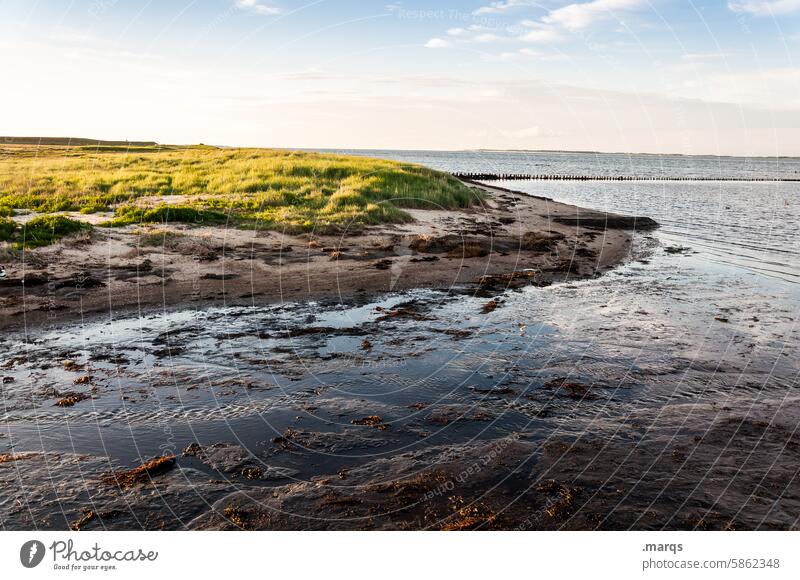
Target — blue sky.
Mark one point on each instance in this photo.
(660, 76)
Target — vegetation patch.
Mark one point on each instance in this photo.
(257, 188)
(165, 214)
(40, 231)
(8, 229)
(181, 243)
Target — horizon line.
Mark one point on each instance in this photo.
(83, 141)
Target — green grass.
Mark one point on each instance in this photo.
(131, 214)
(39, 231)
(8, 229)
(243, 187)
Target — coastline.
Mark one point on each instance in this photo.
(510, 240)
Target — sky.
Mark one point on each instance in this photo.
(658, 76)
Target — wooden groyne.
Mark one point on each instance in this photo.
(550, 177)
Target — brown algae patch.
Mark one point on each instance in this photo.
(71, 399)
(142, 474)
(371, 421)
(10, 457)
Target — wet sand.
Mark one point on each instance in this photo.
(417, 411)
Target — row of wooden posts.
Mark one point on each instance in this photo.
(550, 177)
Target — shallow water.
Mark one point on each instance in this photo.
(605, 164)
(703, 313)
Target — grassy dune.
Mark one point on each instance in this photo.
(244, 187)
(40, 231)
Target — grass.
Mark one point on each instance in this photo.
(159, 238)
(46, 229)
(261, 188)
(39, 231)
(131, 214)
(8, 229)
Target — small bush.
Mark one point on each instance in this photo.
(47, 229)
(159, 238)
(181, 243)
(127, 215)
(7, 229)
(94, 205)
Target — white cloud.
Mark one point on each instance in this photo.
(527, 31)
(538, 32)
(503, 6)
(438, 43)
(471, 35)
(581, 15)
(486, 37)
(548, 29)
(259, 7)
(765, 7)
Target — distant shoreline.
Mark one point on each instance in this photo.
(82, 141)
(546, 151)
(72, 142)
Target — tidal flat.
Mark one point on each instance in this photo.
(645, 387)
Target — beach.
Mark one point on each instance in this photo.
(112, 270)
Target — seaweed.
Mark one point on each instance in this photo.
(371, 421)
(142, 474)
(71, 398)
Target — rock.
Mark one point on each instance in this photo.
(609, 222)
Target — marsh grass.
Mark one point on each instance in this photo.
(260, 188)
(39, 231)
(159, 238)
(131, 214)
(8, 228)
